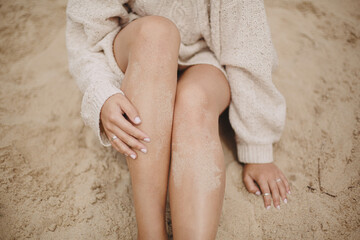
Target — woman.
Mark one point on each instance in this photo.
(125, 58)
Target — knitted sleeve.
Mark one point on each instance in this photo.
(91, 26)
(257, 110)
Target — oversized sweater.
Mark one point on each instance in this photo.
(238, 39)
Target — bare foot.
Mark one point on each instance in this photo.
(271, 180)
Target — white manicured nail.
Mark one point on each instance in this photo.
(285, 200)
(143, 150)
(268, 207)
(289, 192)
(278, 207)
(147, 139)
(133, 156)
(257, 193)
(137, 120)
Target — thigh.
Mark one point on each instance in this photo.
(210, 80)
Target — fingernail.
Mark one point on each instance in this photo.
(268, 207)
(278, 207)
(285, 200)
(257, 193)
(143, 150)
(126, 154)
(147, 139)
(133, 156)
(137, 120)
(289, 192)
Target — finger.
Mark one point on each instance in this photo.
(128, 139)
(119, 145)
(286, 183)
(274, 193)
(124, 148)
(127, 127)
(265, 189)
(116, 118)
(250, 185)
(113, 144)
(130, 110)
(282, 190)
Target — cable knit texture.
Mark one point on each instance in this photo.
(232, 35)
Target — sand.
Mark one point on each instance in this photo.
(58, 182)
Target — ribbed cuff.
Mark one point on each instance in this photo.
(262, 153)
(93, 100)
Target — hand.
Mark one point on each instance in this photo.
(116, 124)
(265, 175)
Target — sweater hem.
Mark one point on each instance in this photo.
(262, 153)
(93, 101)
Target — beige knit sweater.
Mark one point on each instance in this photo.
(236, 32)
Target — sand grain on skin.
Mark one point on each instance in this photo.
(189, 159)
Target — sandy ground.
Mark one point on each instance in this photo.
(57, 182)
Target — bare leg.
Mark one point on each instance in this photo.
(197, 176)
(147, 51)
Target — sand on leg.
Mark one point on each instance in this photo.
(147, 51)
(197, 173)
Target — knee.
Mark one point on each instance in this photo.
(192, 104)
(161, 29)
